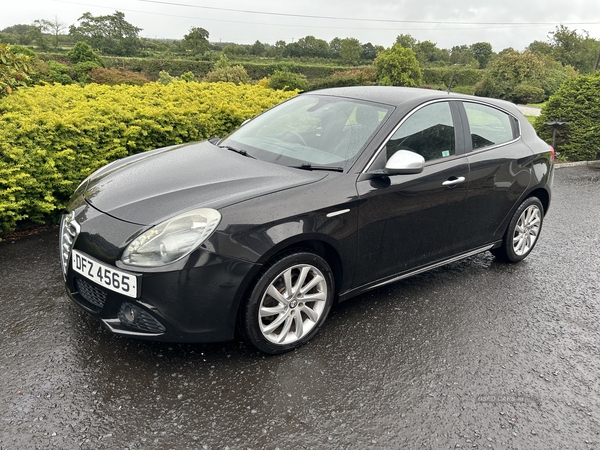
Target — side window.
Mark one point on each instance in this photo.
(489, 126)
(428, 132)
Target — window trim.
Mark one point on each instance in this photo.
(467, 127)
(457, 122)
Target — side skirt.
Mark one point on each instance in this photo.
(367, 287)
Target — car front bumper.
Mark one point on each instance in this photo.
(194, 300)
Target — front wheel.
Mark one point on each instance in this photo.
(523, 231)
(288, 303)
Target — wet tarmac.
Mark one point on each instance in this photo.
(476, 354)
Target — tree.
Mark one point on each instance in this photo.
(258, 48)
(20, 34)
(540, 48)
(522, 77)
(406, 40)
(279, 47)
(53, 27)
(350, 51)
(398, 66)
(335, 46)
(428, 52)
(462, 55)
(482, 52)
(196, 41)
(111, 34)
(308, 46)
(235, 50)
(572, 48)
(369, 52)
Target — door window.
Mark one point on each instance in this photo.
(428, 132)
(489, 126)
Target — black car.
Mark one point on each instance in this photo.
(323, 197)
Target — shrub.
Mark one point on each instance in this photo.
(52, 137)
(526, 93)
(577, 101)
(513, 69)
(232, 74)
(59, 73)
(188, 76)
(288, 81)
(82, 53)
(224, 71)
(164, 77)
(113, 77)
(15, 69)
(353, 77)
(443, 75)
(81, 71)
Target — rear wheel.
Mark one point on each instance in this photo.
(523, 231)
(288, 303)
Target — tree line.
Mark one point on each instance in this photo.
(113, 35)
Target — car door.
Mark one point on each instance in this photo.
(499, 172)
(409, 220)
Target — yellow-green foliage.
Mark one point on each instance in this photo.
(52, 137)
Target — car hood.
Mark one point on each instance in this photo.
(150, 187)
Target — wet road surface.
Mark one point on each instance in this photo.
(476, 354)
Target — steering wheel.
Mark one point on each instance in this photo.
(297, 135)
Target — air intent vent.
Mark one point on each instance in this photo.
(69, 230)
(135, 317)
(93, 298)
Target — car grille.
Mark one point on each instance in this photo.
(135, 317)
(93, 298)
(69, 230)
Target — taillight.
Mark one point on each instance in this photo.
(553, 153)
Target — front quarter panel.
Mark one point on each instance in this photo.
(325, 212)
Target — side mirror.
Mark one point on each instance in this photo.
(404, 162)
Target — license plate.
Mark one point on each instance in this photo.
(108, 276)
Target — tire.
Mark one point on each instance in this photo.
(523, 231)
(281, 314)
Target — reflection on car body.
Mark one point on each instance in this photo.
(347, 189)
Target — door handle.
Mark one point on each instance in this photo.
(453, 181)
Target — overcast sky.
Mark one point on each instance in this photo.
(504, 23)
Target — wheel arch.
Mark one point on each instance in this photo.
(317, 244)
(543, 195)
(314, 244)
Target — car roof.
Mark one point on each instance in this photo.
(405, 96)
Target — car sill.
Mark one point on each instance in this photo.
(362, 289)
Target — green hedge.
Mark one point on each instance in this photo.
(150, 67)
(443, 75)
(52, 137)
(577, 101)
(258, 71)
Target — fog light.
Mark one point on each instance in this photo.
(129, 313)
(139, 319)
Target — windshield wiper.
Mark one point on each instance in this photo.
(237, 150)
(307, 166)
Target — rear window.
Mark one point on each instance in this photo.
(489, 126)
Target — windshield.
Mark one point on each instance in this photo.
(310, 129)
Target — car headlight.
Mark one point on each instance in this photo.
(173, 239)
